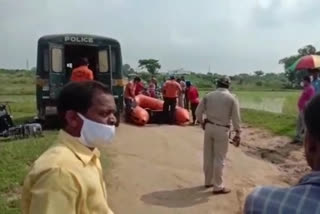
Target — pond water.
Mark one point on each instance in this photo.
(281, 102)
(274, 105)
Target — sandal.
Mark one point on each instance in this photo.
(222, 191)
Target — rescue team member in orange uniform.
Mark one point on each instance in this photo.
(82, 72)
(129, 96)
(67, 178)
(171, 90)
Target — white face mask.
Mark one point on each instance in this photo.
(95, 134)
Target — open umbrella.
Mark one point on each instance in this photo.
(306, 62)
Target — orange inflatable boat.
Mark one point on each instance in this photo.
(140, 116)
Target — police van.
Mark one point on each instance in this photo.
(55, 61)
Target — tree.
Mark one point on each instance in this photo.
(259, 83)
(307, 50)
(152, 65)
(126, 69)
(259, 73)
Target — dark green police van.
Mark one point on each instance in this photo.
(55, 59)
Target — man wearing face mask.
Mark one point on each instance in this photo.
(68, 177)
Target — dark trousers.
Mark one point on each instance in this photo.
(169, 107)
(186, 101)
(128, 108)
(193, 111)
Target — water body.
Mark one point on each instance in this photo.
(274, 105)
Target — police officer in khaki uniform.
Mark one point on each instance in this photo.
(219, 108)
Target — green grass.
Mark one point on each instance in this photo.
(17, 83)
(18, 89)
(279, 110)
(278, 124)
(16, 158)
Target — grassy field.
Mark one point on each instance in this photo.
(18, 89)
(16, 158)
(273, 110)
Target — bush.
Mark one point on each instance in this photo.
(259, 83)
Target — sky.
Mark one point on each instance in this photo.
(227, 36)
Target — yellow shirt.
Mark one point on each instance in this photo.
(67, 178)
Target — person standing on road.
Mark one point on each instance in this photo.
(82, 71)
(68, 177)
(315, 80)
(220, 108)
(171, 91)
(193, 95)
(306, 95)
(186, 99)
(129, 96)
(303, 198)
(181, 98)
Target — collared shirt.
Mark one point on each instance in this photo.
(81, 73)
(193, 95)
(220, 107)
(67, 178)
(171, 89)
(316, 85)
(303, 198)
(305, 97)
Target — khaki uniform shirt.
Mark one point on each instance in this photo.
(220, 107)
(67, 178)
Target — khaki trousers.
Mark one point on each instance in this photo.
(181, 100)
(300, 129)
(216, 141)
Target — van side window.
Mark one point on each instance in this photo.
(46, 60)
(57, 60)
(103, 61)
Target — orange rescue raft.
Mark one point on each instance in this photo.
(140, 116)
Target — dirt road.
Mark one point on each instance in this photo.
(158, 170)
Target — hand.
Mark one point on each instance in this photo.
(203, 126)
(236, 140)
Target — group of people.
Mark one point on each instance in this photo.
(311, 87)
(174, 91)
(182, 92)
(67, 178)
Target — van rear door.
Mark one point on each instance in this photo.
(104, 73)
(57, 69)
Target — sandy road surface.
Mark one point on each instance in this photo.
(158, 170)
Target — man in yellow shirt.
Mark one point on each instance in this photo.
(68, 177)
